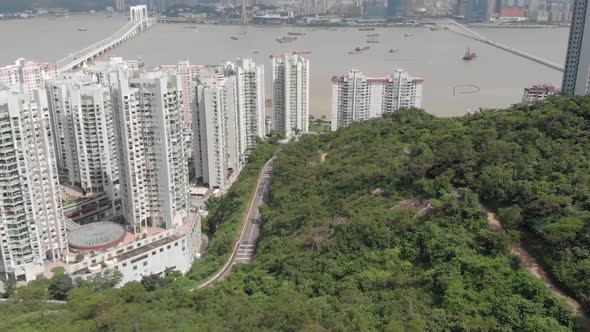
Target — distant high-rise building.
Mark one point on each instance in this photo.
(27, 74)
(460, 8)
(290, 87)
(558, 12)
(577, 63)
(84, 134)
(396, 8)
(227, 121)
(250, 99)
(120, 5)
(478, 10)
(533, 10)
(187, 73)
(244, 13)
(356, 97)
(512, 12)
(32, 225)
(216, 129)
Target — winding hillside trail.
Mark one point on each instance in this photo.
(532, 266)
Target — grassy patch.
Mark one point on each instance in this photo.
(58, 270)
(319, 127)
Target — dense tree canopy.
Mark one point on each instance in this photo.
(379, 227)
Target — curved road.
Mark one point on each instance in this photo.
(244, 248)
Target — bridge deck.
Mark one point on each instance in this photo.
(87, 53)
(474, 35)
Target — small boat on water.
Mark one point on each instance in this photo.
(408, 35)
(434, 28)
(82, 29)
(296, 34)
(393, 50)
(373, 38)
(366, 29)
(286, 39)
(354, 52)
(469, 55)
(255, 52)
(234, 38)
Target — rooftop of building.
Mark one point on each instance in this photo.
(542, 88)
(96, 236)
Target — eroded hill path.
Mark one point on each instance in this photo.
(533, 267)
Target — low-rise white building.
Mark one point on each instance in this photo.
(356, 97)
(175, 249)
(538, 93)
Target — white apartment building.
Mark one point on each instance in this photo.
(356, 97)
(250, 102)
(28, 74)
(31, 217)
(84, 134)
(188, 74)
(148, 123)
(218, 152)
(228, 117)
(153, 165)
(290, 99)
(576, 77)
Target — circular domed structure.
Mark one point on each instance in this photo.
(96, 236)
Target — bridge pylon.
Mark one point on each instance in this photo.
(139, 14)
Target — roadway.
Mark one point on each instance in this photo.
(254, 222)
(244, 247)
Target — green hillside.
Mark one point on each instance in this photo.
(379, 227)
